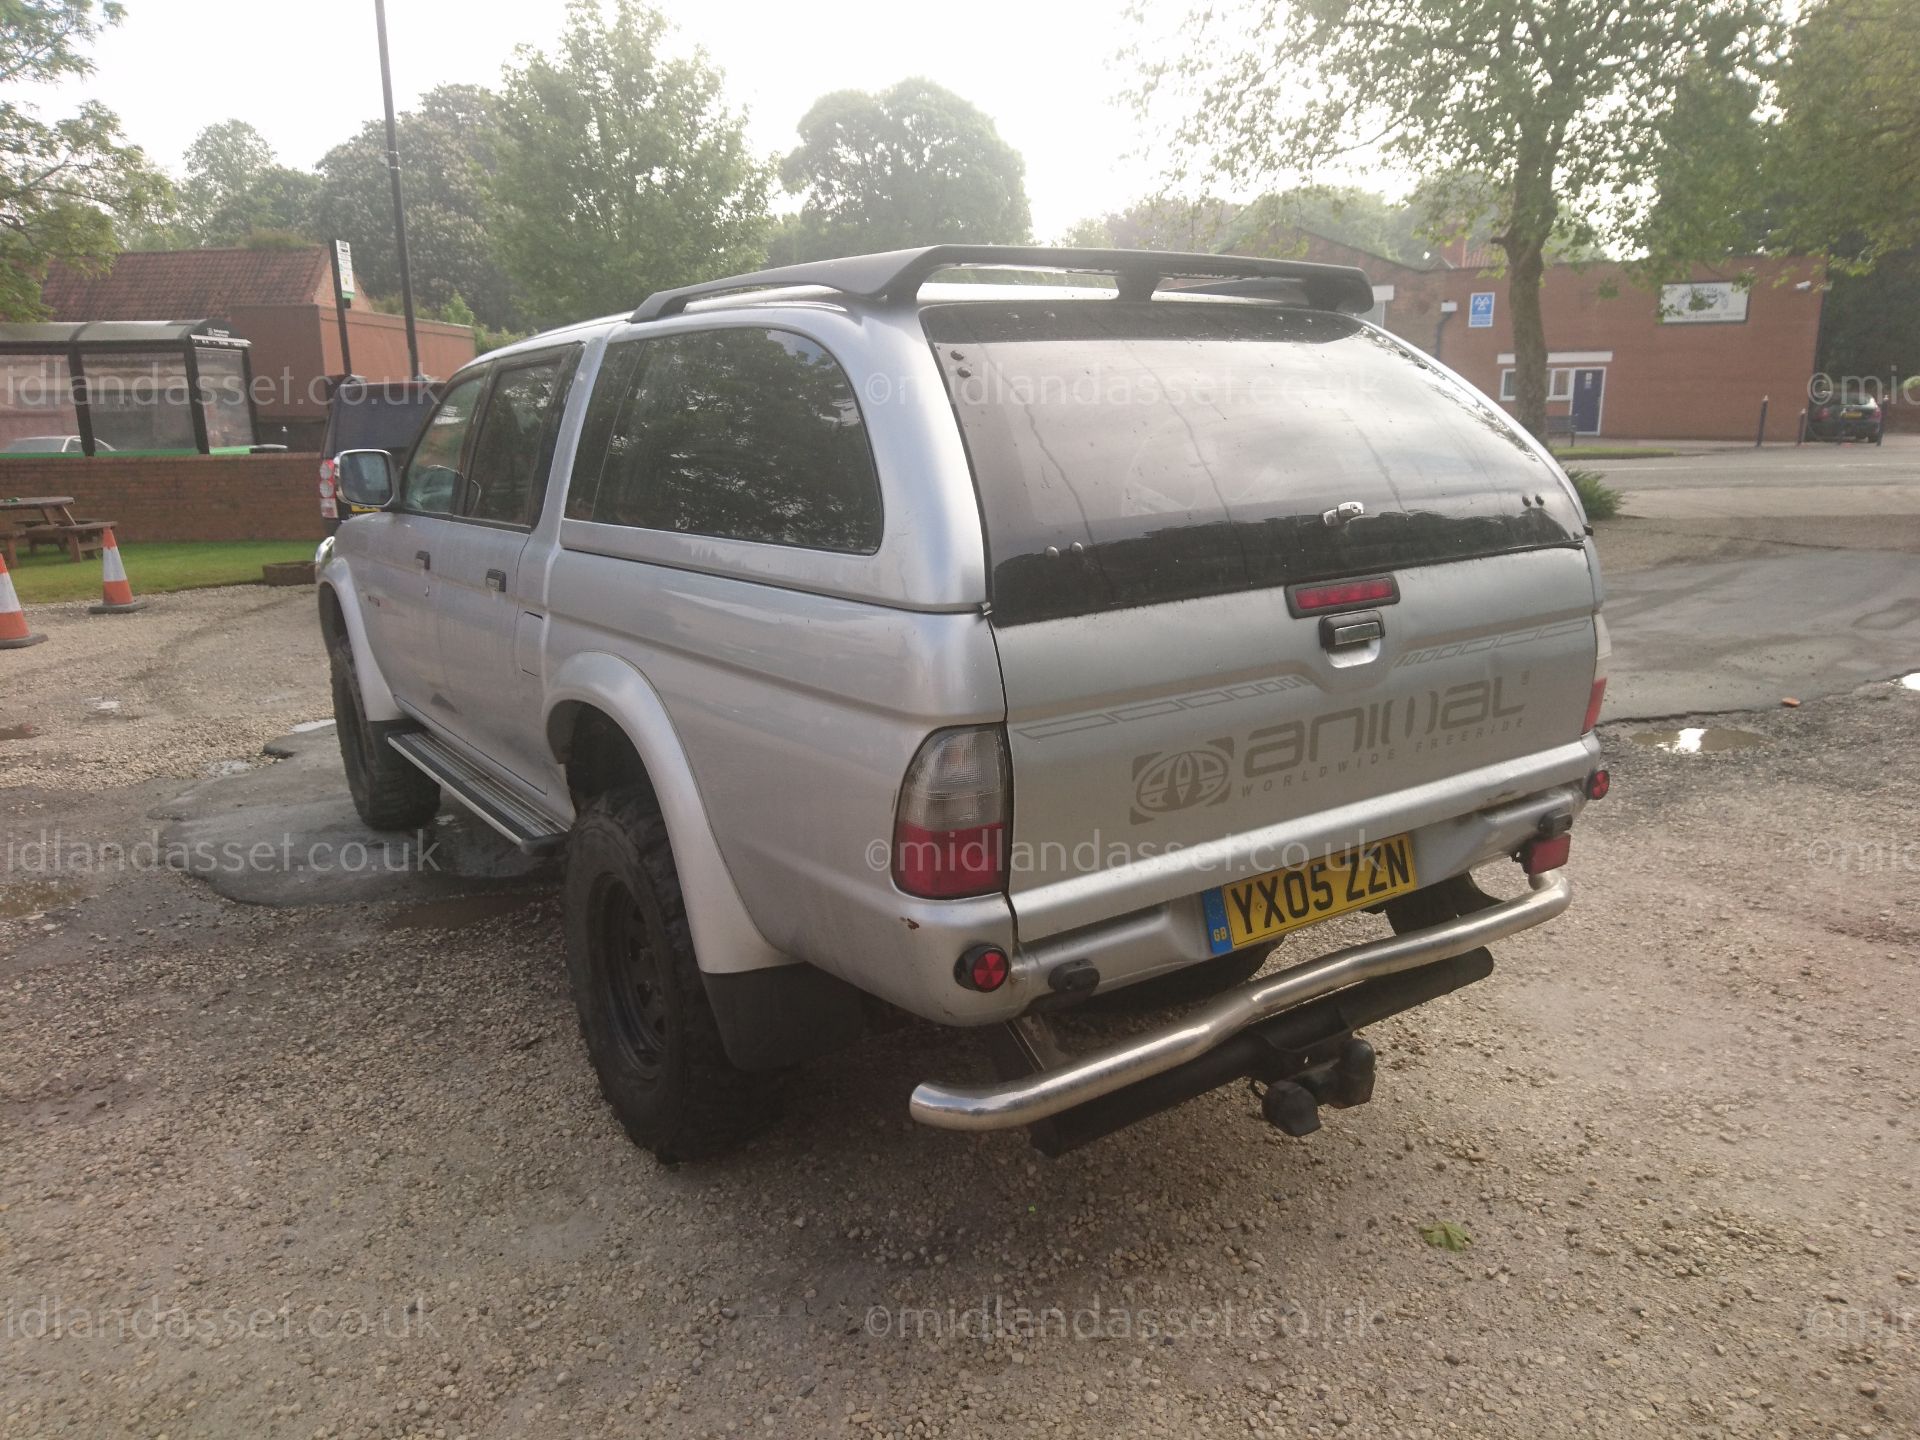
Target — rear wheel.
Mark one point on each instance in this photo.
(643, 1008)
(389, 793)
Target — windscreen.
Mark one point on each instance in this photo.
(1137, 454)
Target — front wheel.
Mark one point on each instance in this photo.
(644, 1014)
(389, 793)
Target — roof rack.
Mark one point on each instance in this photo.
(898, 274)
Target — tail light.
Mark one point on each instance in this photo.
(1602, 655)
(950, 828)
(329, 470)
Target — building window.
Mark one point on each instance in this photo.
(1559, 385)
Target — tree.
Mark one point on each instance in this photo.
(913, 165)
(234, 186)
(622, 168)
(449, 165)
(62, 183)
(1849, 153)
(1560, 118)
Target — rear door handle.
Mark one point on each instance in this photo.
(426, 560)
(1343, 632)
(497, 580)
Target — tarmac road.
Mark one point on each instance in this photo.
(1740, 577)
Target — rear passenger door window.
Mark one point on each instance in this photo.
(514, 443)
(743, 434)
(433, 482)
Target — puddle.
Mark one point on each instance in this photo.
(307, 726)
(1912, 682)
(22, 731)
(1698, 740)
(457, 912)
(32, 897)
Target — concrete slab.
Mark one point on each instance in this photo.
(287, 834)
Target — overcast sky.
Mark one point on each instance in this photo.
(307, 75)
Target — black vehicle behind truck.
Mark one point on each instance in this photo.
(368, 415)
(1846, 418)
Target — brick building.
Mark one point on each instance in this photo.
(281, 301)
(1693, 362)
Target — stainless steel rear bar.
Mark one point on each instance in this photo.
(1013, 1103)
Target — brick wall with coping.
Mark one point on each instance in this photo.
(181, 497)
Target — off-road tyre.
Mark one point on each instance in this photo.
(389, 793)
(649, 1029)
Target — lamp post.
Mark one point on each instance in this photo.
(399, 208)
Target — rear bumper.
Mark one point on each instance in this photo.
(1033, 1098)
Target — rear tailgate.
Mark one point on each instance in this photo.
(1153, 479)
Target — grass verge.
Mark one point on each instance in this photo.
(1611, 452)
(154, 568)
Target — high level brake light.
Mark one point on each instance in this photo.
(950, 827)
(1342, 595)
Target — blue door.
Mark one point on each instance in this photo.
(1589, 387)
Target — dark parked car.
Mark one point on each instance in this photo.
(368, 415)
(1855, 418)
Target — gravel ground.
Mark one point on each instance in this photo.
(344, 1172)
(197, 677)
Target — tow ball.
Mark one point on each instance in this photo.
(1293, 1104)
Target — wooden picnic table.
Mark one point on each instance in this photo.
(56, 528)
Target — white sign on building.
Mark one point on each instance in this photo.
(1704, 302)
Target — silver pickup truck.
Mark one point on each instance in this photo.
(979, 648)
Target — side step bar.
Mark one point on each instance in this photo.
(1031, 1098)
(530, 829)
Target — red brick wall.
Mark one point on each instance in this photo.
(1664, 381)
(182, 497)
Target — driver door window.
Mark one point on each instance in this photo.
(432, 484)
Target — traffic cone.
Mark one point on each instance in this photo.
(116, 595)
(14, 634)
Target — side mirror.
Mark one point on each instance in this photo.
(366, 478)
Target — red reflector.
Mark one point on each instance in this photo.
(984, 967)
(947, 864)
(1378, 590)
(1593, 704)
(1598, 783)
(1539, 856)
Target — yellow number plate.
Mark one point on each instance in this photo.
(1249, 911)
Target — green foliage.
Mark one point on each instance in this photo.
(913, 165)
(1445, 1235)
(1602, 502)
(622, 170)
(1870, 324)
(1161, 222)
(62, 182)
(449, 168)
(1849, 146)
(1555, 123)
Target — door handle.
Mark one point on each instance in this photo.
(1346, 631)
(426, 560)
(497, 580)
